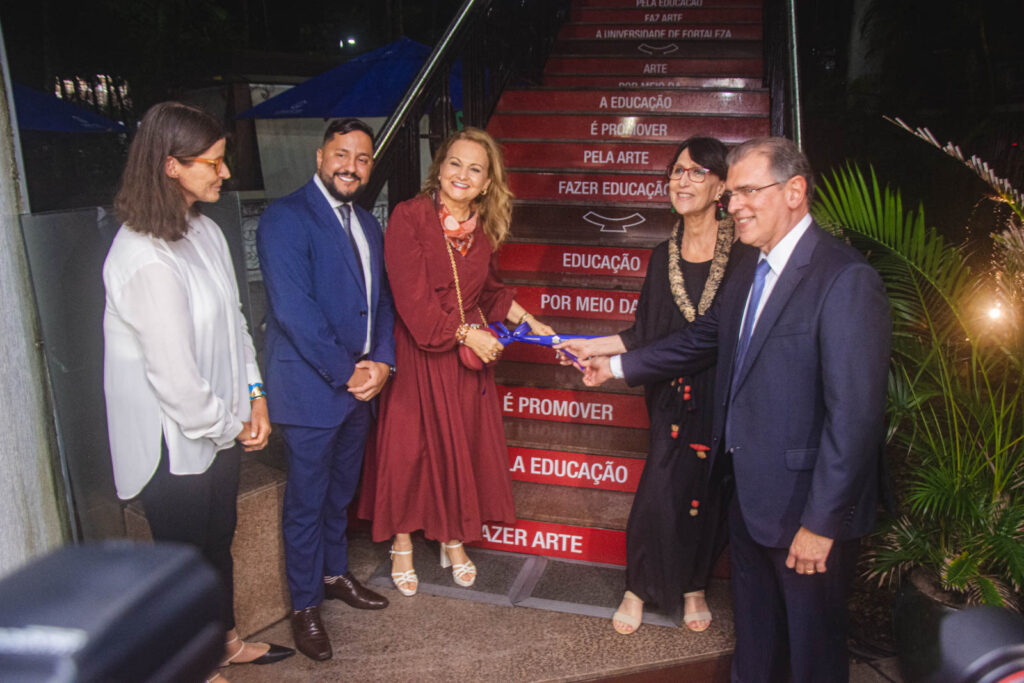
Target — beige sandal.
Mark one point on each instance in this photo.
(460, 570)
(406, 582)
(627, 623)
(693, 617)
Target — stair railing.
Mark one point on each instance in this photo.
(493, 41)
(782, 71)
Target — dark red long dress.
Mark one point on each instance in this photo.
(438, 460)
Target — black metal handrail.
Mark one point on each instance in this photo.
(782, 73)
(495, 42)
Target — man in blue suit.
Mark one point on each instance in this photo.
(330, 351)
(802, 336)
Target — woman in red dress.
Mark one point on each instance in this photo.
(438, 461)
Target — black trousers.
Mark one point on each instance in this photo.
(199, 510)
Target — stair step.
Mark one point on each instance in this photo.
(662, 49)
(640, 64)
(627, 15)
(509, 373)
(627, 442)
(577, 470)
(587, 544)
(673, 129)
(574, 406)
(572, 302)
(603, 82)
(599, 155)
(647, 31)
(664, 5)
(683, 101)
(590, 187)
(594, 222)
(570, 259)
(572, 506)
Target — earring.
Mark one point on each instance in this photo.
(672, 209)
(720, 211)
(483, 192)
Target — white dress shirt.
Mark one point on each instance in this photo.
(178, 357)
(777, 259)
(364, 251)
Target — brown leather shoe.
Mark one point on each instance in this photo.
(347, 588)
(309, 634)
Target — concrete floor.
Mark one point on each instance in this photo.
(436, 637)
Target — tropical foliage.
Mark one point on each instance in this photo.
(956, 395)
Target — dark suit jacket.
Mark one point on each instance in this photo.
(804, 416)
(316, 307)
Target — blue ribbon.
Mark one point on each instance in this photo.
(522, 334)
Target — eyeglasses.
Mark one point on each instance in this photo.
(746, 192)
(695, 174)
(217, 163)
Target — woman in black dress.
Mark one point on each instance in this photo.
(676, 526)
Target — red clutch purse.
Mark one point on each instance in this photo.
(470, 359)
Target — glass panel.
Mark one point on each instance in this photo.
(65, 252)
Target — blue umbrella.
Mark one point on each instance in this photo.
(39, 111)
(371, 84)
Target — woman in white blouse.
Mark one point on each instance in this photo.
(183, 390)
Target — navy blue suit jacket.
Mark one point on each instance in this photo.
(316, 307)
(804, 415)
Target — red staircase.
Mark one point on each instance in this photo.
(587, 151)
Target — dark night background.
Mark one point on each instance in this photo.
(954, 66)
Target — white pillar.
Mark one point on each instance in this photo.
(30, 523)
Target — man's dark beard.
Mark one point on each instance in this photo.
(333, 191)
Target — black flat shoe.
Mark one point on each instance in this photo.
(275, 654)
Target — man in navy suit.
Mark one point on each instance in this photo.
(802, 337)
(330, 351)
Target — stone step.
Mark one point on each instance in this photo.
(579, 438)
(667, 129)
(513, 375)
(572, 506)
(700, 101)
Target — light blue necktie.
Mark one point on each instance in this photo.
(748, 321)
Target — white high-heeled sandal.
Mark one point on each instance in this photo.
(459, 571)
(403, 579)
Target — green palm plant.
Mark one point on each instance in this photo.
(956, 397)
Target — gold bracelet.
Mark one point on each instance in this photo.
(526, 316)
(461, 332)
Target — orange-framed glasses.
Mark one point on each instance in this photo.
(217, 163)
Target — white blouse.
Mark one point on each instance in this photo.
(178, 357)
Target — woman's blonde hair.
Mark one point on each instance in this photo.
(495, 207)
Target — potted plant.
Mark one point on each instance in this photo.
(956, 403)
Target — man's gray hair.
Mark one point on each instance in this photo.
(785, 159)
